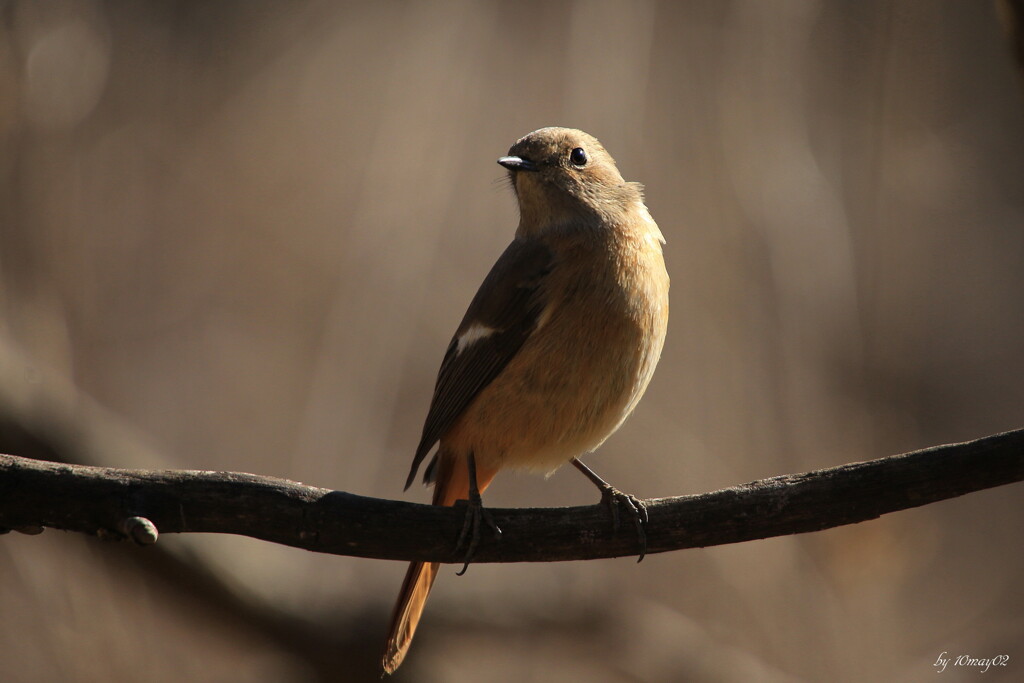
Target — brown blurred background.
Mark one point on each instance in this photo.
(237, 235)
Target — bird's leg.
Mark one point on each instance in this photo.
(612, 498)
(476, 515)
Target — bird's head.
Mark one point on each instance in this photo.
(564, 176)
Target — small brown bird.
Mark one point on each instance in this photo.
(557, 346)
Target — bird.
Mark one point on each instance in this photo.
(556, 348)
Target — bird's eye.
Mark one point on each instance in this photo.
(578, 157)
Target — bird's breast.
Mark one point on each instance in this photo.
(581, 372)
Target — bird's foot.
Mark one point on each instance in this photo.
(612, 498)
(476, 516)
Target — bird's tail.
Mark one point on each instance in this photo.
(452, 484)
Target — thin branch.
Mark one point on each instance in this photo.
(104, 501)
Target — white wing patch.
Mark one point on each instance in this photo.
(473, 334)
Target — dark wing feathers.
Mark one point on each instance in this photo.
(509, 301)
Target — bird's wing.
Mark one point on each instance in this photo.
(502, 315)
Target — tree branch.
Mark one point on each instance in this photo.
(105, 501)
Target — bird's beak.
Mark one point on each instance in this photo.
(517, 164)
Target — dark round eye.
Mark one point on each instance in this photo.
(578, 157)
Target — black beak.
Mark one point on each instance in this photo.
(517, 164)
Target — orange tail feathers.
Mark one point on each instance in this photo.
(452, 484)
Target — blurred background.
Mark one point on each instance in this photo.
(238, 235)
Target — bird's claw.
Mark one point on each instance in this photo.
(612, 498)
(476, 516)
